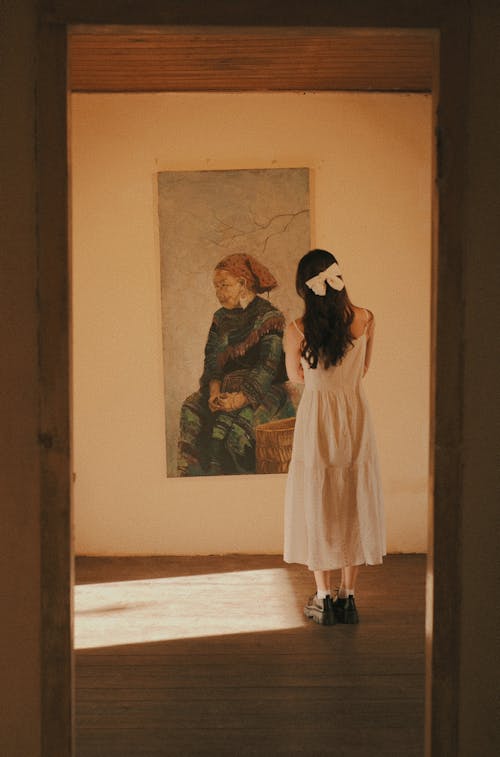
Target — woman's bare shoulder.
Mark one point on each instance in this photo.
(363, 319)
(296, 327)
(293, 335)
(363, 313)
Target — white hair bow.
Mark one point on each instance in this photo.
(329, 276)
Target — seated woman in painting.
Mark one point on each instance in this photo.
(243, 378)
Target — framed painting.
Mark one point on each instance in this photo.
(230, 241)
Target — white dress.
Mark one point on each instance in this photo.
(334, 513)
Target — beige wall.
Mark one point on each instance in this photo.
(370, 160)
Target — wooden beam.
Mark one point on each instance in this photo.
(447, 388)
(215, 60)
(53, 292)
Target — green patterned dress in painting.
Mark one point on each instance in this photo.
(244, 351)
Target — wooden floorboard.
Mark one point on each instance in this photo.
(250, 676)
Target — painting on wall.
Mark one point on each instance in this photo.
(230, 241)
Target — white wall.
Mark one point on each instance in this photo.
(370, 158)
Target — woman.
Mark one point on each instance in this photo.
(243, 378)
(333, 509)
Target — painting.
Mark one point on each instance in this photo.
(230, 241)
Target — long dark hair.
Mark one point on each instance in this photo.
(327, 319)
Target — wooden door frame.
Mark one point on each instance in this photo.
(450, 21)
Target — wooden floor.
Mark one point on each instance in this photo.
(212, 656)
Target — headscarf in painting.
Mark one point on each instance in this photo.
(258, 278)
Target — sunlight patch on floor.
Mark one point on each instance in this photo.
(163, 609)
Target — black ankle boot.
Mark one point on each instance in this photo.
(345, 610)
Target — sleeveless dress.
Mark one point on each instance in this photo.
(334, 513)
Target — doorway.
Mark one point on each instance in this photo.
(57, 411)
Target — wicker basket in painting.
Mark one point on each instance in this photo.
(274, 445)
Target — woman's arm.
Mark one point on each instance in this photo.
(370, 332)
(292, 341)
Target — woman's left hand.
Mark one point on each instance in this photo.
(231, 401)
